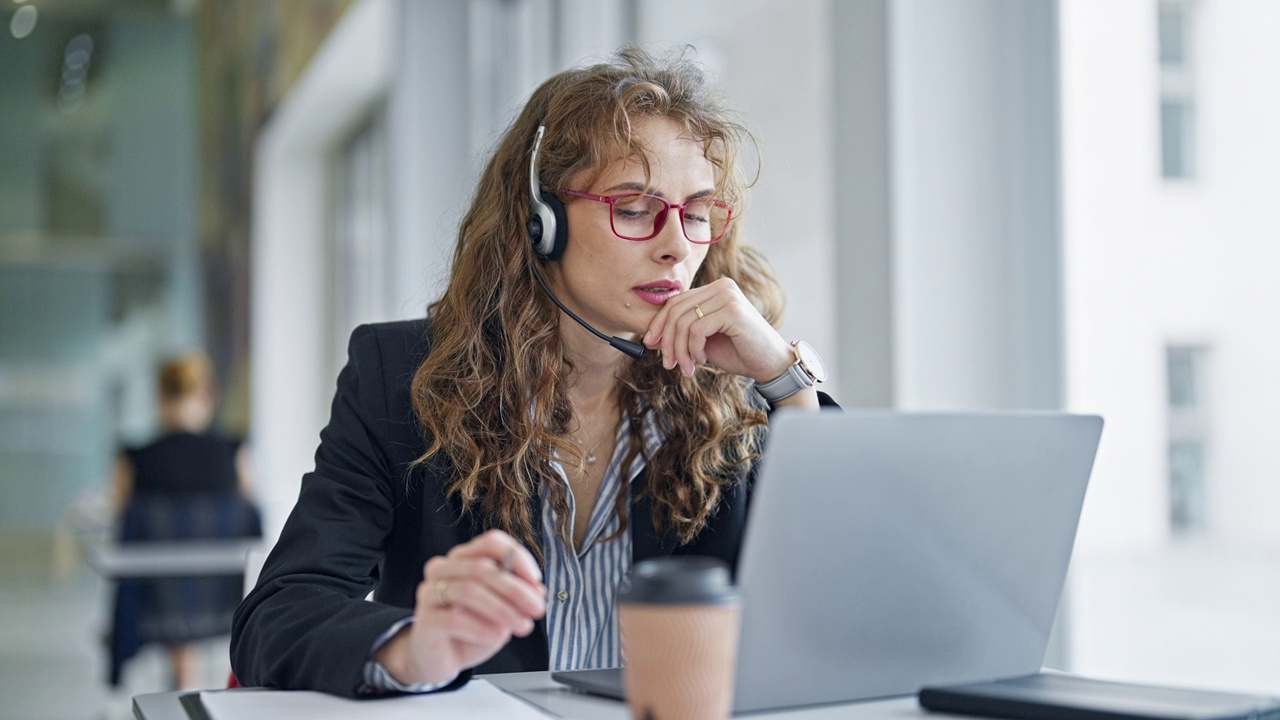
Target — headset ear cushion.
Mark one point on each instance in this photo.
(561, 230)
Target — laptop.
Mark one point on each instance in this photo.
(888, 551)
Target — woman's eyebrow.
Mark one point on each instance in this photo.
(638, 187)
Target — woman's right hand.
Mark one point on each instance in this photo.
(468, 606)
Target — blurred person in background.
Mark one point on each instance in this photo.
(190, 484)
(492, 471)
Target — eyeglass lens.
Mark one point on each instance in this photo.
(636, 217)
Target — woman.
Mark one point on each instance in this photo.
(492, 473)
(190, 484)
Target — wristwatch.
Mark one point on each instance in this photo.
(807, 370)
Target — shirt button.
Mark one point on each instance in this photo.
(563, 595)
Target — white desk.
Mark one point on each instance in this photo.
(539, 689)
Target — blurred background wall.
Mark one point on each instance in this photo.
(973, 204)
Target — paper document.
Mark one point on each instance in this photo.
(478, 700)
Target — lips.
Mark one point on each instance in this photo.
(658, 291)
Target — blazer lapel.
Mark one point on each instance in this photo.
(645, 543)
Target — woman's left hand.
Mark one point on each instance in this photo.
(717, 324)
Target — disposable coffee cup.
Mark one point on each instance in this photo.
(679, 620)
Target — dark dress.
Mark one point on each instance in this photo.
(185, 488)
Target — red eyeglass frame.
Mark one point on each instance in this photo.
(661, 221)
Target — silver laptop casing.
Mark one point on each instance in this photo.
(887, 551)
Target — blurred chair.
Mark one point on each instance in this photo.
(179, 568)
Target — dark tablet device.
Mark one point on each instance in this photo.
(1050, 696)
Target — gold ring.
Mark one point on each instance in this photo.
(442, 589)
(698, 309)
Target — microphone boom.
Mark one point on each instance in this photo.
(629, 347)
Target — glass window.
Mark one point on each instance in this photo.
(1176, 139)
(1182, 377)
(359, 236)
(1173, 41)
(1186, 487)
(1188, 438)
(1177, 90)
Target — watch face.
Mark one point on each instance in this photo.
(810, 361)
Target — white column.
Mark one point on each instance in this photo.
(863, 197)
(290, 387)
(431, 163)
(974, 180)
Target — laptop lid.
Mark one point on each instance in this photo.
(887, 551)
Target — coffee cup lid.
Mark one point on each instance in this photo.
(679, 581)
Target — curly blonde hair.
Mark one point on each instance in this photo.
(492, 395)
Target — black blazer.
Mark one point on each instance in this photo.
(364, 522)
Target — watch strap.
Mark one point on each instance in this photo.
(785, 385)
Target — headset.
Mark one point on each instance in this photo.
(548, 228)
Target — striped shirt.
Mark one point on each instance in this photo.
(582, 625)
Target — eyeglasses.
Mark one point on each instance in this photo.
(636, 216)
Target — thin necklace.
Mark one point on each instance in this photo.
(590, 457)
(591, 454)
